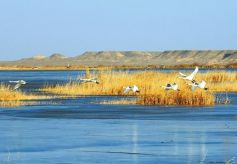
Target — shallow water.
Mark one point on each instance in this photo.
(80, 131)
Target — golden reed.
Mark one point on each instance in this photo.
(11, 98)
(149, 83)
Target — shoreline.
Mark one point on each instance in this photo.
(82, 68)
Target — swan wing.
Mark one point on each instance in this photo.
(16, 86)
(175, 87)
(13, 81)
(93, 78)
(81, 81)
(127, 89)
(192, 75)
(135, 88)
(183, 75)
(194, 87)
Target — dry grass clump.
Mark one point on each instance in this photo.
(10, 98)
(223, 87)
(187, 97)
(6, 94)
(218, 77)
(149, 83)
(220, 81)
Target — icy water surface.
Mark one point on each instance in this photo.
(81, 131)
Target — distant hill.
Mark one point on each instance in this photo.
(132, 58)
(57, 56)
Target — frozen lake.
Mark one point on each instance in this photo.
(80, 131)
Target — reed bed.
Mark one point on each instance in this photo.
(10, 98)
(220, 81)
(149, 83)
(218, 77)
(113, 83)
(185, 98)
(7, 94)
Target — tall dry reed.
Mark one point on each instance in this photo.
(149, 83)
(9, 97)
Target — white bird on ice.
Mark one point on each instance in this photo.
(173, 86)
(19, 83)
(134, 89)
(93, 80)
(201, 85)
(189, 77)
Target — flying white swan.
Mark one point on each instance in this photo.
(134, 89)
(189, 77)
(173, 86)
(201, 85)
(18, 83)
(93, 80)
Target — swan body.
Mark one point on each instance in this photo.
(133, 89)
(93, 80)
(196, 85)
(173, 86)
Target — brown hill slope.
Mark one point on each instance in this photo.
(132, 58)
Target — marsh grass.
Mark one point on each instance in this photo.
(7, 94)
(185, 98)
(149, 83)
(11, 98)
(218, 77)
(220, 81)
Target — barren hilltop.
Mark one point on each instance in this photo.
(131, 58)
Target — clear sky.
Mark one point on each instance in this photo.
(71, 27)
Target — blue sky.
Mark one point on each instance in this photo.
(71, 27)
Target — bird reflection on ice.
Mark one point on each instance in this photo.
(134, 141)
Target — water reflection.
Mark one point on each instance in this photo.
(135, 141)
(203, 149)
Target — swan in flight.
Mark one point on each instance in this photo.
(134, 89)
(93, 80)
(173, 86)
(18, 83)
(189, 77)
(201, 85)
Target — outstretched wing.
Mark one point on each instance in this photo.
(126, 90)
(13, 81)
(175, 87)
(16, 86)
(194, 87)
(81, 81)
(183, 75)
(93, 78)
(192, 75)
(135, 88)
